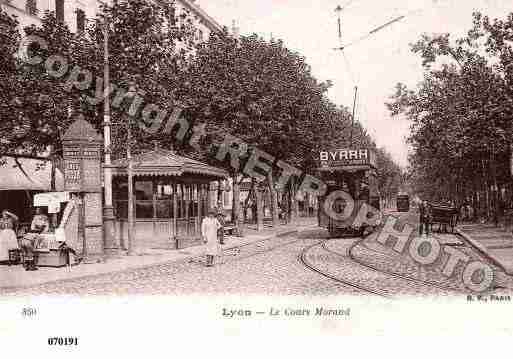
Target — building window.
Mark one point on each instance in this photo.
(80, 20)
(59, 10)
(31, 7)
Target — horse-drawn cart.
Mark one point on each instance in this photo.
(446, 216)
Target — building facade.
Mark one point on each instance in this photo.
(75, 13)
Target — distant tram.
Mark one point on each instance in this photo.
(351, 171)
(403, 203)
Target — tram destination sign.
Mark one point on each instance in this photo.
(347, 157)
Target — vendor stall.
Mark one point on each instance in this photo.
(53, 249)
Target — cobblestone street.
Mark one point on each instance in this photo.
(273, 267)
(269, 267)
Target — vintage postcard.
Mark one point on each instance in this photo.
(219, 170)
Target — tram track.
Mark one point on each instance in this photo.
(393, 274)
(406, 277)
(368, 267)
(304, 261)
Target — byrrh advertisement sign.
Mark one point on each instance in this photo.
(344, 157)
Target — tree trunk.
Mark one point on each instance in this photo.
(307, 204)
(236, 204)
(293, 201)
(274, 199)
(286, 204)
(53, 163)
(219, 196)
(248, 198)
(260, 208)
(52, 179)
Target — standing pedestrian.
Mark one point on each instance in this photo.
(501, 206)
(471, 212)
(463, 212)
(424, 217)
(209, 228)
(8, 238)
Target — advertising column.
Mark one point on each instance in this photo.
(82, 177)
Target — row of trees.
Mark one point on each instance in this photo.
(461, 115)
(256, 90)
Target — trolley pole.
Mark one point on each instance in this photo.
(352, 117)
(130, 190)
(108, 209)
(338, 10)
(130, 175)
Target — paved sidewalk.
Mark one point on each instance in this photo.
(494, 242)
(16, 276)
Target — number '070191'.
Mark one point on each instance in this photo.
(60, 341)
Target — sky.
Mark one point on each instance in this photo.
(376, 64)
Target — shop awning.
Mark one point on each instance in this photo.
(28, 174)
(162, 162)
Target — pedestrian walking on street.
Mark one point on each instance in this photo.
(425, 217)
(209, 228)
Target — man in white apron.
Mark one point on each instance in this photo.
(209, 228)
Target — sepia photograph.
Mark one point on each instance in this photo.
(184, 170)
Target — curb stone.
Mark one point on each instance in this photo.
(484, 251)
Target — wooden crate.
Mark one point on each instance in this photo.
(53, 258)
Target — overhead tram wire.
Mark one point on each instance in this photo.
(361, 38)
(381, 27)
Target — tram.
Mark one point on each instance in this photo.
(352, 171)
(403, 203)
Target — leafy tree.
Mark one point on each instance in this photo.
(262, 93)
(148, 44)
(9, 42)
(461, 114)
(389, 175)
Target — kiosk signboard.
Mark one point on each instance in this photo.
(82, 158)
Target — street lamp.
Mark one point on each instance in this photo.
(131, 93)
(108, 209)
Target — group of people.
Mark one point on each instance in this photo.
(28, 242)
(467, 212)
(426, 216)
